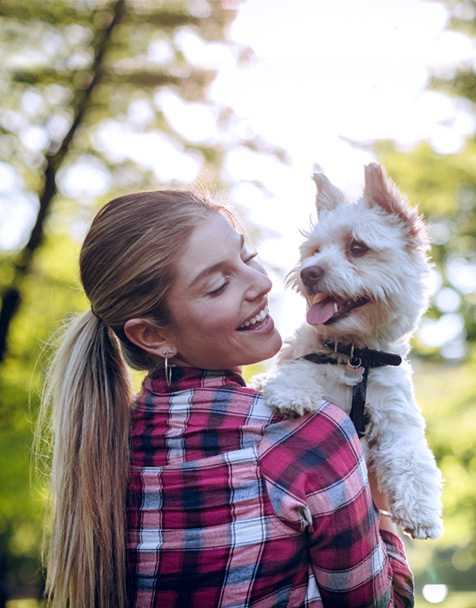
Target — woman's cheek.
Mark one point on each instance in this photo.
(227, 313)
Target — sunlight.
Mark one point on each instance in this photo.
(321, 83)
(437, 333)
(152, 149)
(194, 121)
(435, 594)
(87, 175)
(320, 86)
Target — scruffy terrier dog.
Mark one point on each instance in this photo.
(362, 271)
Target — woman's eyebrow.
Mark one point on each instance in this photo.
(214, 267)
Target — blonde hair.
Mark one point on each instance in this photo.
(127, 266)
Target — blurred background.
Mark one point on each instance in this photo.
(243, 99)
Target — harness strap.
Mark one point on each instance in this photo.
(358, 357)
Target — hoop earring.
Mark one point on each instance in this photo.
(167, 367)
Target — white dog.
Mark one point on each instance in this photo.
(362, 271)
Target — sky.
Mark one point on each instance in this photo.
(326, 78)
(329, 75)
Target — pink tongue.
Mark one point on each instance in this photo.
(321, 312)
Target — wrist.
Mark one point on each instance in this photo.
(380, 501)
(379, 497)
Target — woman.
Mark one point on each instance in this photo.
(198, 496)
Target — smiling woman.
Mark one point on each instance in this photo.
(194, 493)
(218, 305)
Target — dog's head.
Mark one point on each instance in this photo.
(363, 266)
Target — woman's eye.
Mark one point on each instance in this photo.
(249, 256)
(219, 290)
(358, 248)
(246, 259)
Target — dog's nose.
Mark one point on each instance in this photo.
(310, 276)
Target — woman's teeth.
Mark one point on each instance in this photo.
(259, 317)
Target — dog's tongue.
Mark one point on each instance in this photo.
(321, 312)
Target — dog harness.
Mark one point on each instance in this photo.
(359, 362)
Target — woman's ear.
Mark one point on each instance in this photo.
(151, 339)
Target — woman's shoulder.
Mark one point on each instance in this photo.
(322, 446)
(328, 426)
(317, 455)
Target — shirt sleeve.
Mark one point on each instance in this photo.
(402, 583)
(317, 480)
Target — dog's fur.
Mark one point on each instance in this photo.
(369, 257)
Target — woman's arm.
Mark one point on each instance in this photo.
(402, 582)
(318, 482)
(380, 501)
(356, 556)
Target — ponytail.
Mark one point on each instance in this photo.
(89, 393)
(127, 265)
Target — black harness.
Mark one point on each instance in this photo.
(359, 362)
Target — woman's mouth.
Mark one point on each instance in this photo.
(256, 321)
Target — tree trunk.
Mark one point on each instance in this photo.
(11, 297)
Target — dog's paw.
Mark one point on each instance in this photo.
(421, 530)
(418, 513)
(258, 382)
(290, 389)
(408, 475)
(291, 402)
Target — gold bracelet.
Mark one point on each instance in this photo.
(386, 513)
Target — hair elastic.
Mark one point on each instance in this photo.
(95, 314)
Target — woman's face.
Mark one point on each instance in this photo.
(219, 301)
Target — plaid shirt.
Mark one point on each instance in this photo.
(231, 506)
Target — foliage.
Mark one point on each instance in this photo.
(446, 394)
(89, 92)
(78, 79)
(444, 186)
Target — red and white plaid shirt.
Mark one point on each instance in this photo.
(233, 507)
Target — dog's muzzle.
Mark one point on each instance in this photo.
(311, 276)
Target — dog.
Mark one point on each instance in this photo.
(363, 271)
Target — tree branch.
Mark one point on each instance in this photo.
(11, 298)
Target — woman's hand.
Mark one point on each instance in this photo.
(380, 500)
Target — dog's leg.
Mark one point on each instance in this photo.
(396, 448)
(293, 388)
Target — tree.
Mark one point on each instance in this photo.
(94, 98)
(84, 64)
(444, 186)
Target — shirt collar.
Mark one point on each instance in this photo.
(187, 378)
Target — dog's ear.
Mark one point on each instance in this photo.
(328, 196)
(381, 191)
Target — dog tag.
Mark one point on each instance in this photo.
(354, 369)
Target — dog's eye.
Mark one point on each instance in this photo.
(357, 248)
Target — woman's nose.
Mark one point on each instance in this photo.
(260, 283)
